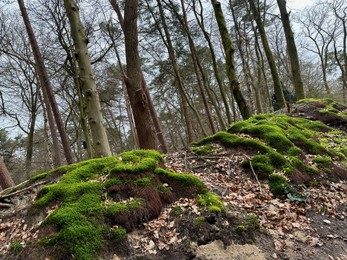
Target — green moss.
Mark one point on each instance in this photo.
(16, 246)
(114, 181)
(183, 178)
(278, 184)
(176, 211)
(143, 182)
(118, 234)
(240, 229)
(115, 208)
(164, 188)
(252, 222)
(211, 201)
(199, 221)
(322, 160)
(203, 150)
(83, 239)
(311, 170)
(81, 210)
(261, 164)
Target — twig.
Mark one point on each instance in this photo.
(255, 175)
(22, 190)
(5, 205)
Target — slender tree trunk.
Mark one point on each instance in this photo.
(56, 157)
(230, 63)
(274, 72)
(214, 60)
(245, 65)
(197, 68)
(159, 132)
(137, 96)
(45, 83)
(100, 142)
(184, 98)
(292, 51)
(5, 177)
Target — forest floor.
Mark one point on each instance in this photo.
(312, 229)
(315, 228)
(311, 223)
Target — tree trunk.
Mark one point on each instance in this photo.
(181, 89)
(137, 96)
(274, 72)
(5, 177)
(45, 83)
(197, 66)
(292, 51)
(214, 60)
(100, 142)
(230, 63)
(159, 133)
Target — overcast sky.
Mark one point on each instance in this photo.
(298, 4)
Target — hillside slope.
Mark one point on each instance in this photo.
(281, 178)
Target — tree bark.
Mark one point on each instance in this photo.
(230, 63)
(5, 177)
(159, 132)
(274, 72)
(292, 51)
(45, 83)
(100, 144)
(137, 96)
(214, 61)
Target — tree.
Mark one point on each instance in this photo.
(230, 62)
(45, 84)
(5, 177)
(292, 51)
(157, 126)
(134, 80)
(274, 72)
(100, 142)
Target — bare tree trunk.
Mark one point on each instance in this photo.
(274, 72)
(214, 60)
(100, 144)
(197, 66)
(230, 63)
(5, 177)
(292, 51)
(159, 133)
(45, 83)
(184, 98)
(245, 65)
(137, 96)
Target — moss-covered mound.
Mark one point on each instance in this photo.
(285, 148)
(326, 110)
(98, 201)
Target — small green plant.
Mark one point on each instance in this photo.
(252, 222)
(199, 221)
(203, 150)
(241, 229)
(311, 170)
(278, 184)
(164, 188)
(143, 182)
(16, 246)
(176, 211)
(119, 234)
(211, 201)
(322, 160)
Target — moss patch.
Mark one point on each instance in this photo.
(106, 197)
(280, 143)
